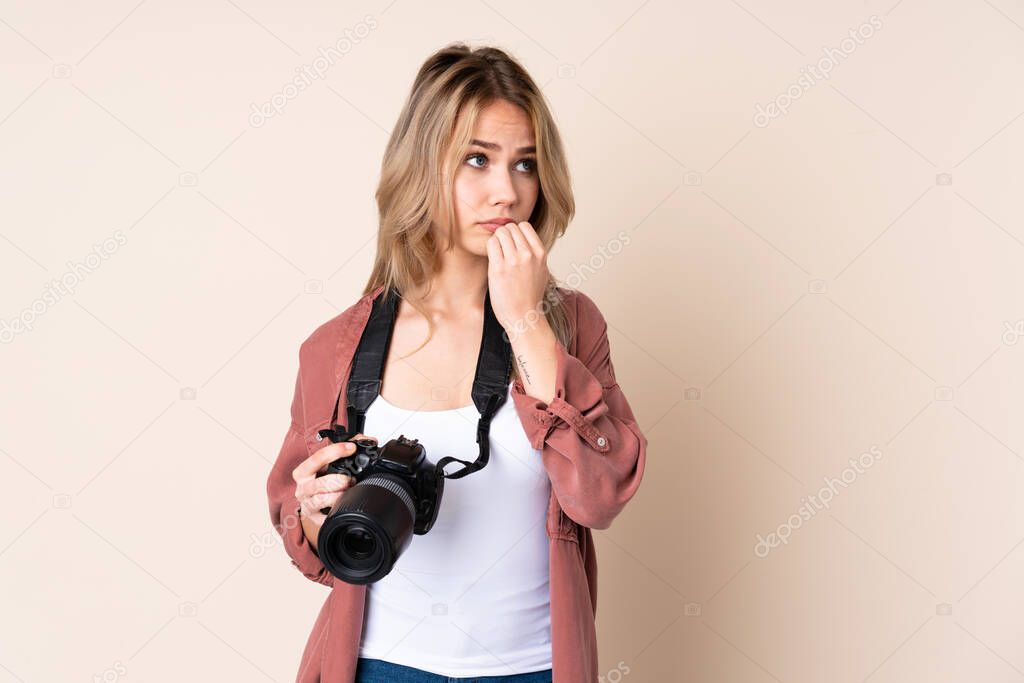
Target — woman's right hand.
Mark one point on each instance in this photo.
(315, 493)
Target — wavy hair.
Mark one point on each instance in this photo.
(427, 144)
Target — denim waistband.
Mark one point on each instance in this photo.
(380, 671)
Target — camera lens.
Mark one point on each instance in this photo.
(368, 530)
(359, 543)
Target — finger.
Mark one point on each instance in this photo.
(534, 240)
(522, 246)
(329, 454)
(494, 254)
(308, 468)
(325, 484)
(360, 435)
(322, 500)
(333, 482)
(313, 514)
(508, 247)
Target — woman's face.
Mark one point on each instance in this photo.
(497, 176)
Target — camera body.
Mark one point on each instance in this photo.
(404, 459)
(397, 494)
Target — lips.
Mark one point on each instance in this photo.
(494, 225)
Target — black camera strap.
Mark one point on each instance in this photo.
(490, 385)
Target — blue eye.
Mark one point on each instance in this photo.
(532, 163)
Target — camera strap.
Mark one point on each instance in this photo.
(490, 385)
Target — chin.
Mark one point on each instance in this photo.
(473, 248)
(475, 243)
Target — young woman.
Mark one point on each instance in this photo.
(474, 192)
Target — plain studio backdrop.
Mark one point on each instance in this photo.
(802, 221)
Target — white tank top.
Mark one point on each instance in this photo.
(470, 597)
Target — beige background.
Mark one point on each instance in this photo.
(846, 277)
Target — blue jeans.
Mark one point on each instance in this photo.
(380, 671)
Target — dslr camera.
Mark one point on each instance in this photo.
(397, 494)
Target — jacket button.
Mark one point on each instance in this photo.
(601, 441)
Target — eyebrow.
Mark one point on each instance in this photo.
(495, 146)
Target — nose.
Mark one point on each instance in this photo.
(502, 189)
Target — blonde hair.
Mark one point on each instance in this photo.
(424, 152)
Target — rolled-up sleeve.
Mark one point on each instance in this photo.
(592, 447)
(284, 506)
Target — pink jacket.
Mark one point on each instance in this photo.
(591, 446)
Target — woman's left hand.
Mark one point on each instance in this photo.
(517, 273)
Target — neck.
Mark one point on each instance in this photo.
(458, 285)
